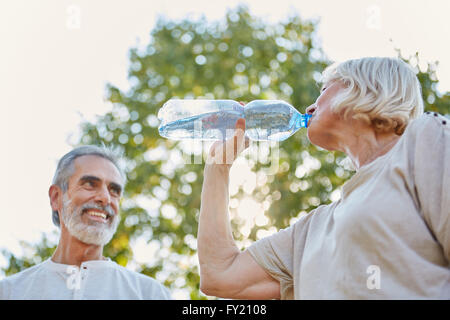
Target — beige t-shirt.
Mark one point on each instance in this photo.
(388, 237)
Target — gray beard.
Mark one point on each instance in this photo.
(94, 233)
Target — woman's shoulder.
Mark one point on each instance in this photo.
(428, 123)
(430, 131)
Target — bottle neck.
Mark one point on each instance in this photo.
(301, 121)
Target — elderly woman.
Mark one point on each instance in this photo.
(388, 237)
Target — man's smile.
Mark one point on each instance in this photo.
(97, 215)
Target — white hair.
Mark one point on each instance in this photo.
(382, 91)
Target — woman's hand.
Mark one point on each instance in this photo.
(225, 152)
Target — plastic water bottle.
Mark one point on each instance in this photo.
(216, 119)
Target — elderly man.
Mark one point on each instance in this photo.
(84, 197)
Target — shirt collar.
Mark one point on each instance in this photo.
(49, 263)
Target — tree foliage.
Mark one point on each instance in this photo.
(242, 58)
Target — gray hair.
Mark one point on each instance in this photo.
(383, 91)
(65, 168)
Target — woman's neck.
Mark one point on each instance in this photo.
(367, 146)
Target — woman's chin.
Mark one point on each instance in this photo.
(320, 140)
(312, 135)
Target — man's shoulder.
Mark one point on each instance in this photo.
(131, 273)
(18, 279)
(144, 281)
(24, 274)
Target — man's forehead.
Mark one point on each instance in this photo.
(97, 166)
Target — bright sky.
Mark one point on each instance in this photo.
(57, 55)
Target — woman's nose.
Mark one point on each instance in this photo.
(311, 109)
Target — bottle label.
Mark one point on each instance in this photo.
(238, 108)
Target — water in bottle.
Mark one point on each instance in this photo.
(216, 119)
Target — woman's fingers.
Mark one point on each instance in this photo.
(212, 150)
(247, 142)
(225, 152)
(239, 137)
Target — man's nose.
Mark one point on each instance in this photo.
(102, 196)
(311, 109)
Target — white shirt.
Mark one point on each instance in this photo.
(93, 280)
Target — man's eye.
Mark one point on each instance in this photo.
(89, 183)
(115, 191)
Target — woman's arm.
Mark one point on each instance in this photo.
(225, 271)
